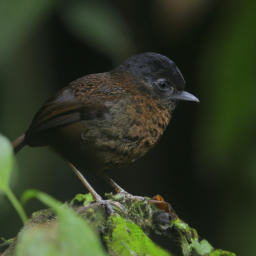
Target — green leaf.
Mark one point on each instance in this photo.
(102, 27)
(73, 236)
(6, 162)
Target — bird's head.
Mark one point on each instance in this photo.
(157, 75)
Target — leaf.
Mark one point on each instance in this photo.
(6, 162)
(102, 27)
(73, 236)
(6, 165)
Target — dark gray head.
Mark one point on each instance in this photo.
(161, 75)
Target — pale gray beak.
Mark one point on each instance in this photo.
(184, 96)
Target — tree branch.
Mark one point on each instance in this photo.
(124, 223)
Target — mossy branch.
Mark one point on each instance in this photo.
(124, 223)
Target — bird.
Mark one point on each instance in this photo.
(108, 120)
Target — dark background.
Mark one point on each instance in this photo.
(205, 163)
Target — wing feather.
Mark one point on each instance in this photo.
(62, 108)
(83, 99)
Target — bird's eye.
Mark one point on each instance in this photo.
(162, 84)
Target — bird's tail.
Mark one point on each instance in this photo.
(19, 143)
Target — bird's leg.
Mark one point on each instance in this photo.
(94, 194)
(119, 190)
(112, 183)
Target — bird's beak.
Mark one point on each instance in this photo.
(184, 96)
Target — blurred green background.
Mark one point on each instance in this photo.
(205, 163)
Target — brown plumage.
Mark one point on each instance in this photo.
(108, 120)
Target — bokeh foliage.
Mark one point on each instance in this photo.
(205, 163)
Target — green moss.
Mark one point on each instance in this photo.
(116, 197)
(42, 216)
(182, 226)
(202, 248)
(125, 231)
(126, 238)
(82, 200)
(141, 208)
(222, 253)
(184, 230)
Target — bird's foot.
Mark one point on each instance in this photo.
(90, 203)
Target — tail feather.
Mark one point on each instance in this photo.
(19, 143)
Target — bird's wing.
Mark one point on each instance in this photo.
(60, 109)
(85, 98)
(64, 108)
